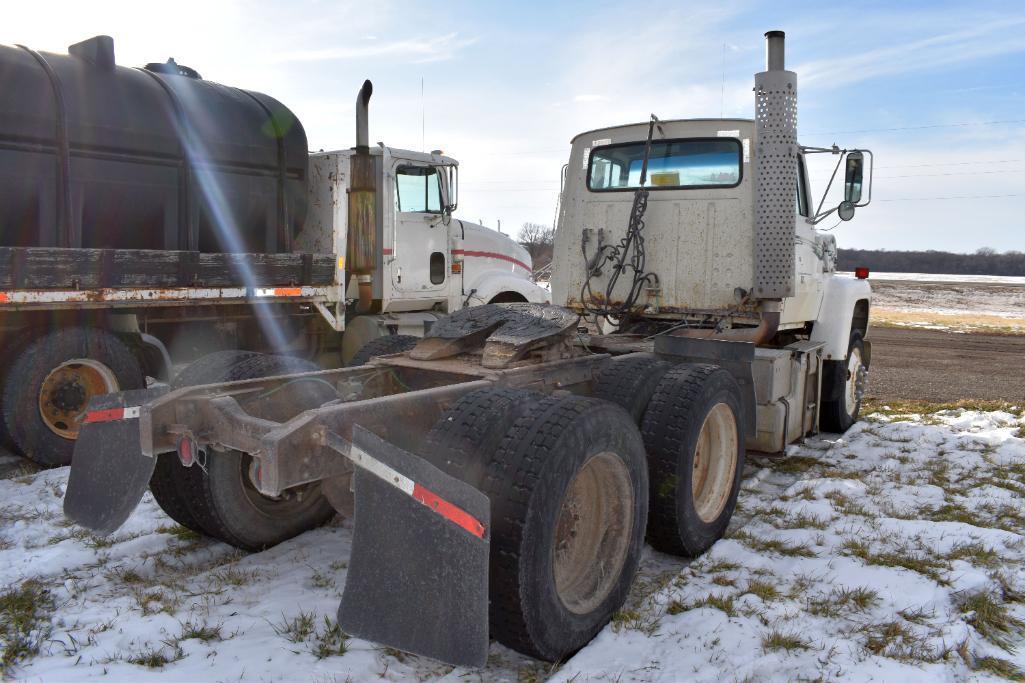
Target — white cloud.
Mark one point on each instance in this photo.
(418, 50)
(979, 42)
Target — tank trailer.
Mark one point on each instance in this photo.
(504, 473)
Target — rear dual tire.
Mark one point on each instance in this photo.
(695, 444)
(222, 501)
(568, 487)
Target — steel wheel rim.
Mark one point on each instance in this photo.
(854, 388)
(66, 391)
(291, 501)
(592, 533)
(715, 463)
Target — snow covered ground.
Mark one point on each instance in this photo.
(894, 553)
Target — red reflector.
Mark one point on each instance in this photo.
(186, 451)
(861, 273)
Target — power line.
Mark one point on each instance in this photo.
(957, 163)
(1002, 122)
(966, 196)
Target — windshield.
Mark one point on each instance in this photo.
(672, 164)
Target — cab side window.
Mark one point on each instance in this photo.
(418, 189)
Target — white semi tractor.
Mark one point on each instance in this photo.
(504, 474)
(150, 216)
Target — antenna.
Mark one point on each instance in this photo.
(423, 125)
(722, 100)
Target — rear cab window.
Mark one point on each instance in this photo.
(689, 163)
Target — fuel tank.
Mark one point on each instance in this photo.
(96, 155)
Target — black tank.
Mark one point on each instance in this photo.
(96, 155)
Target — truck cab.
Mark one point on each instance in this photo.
(428, 261)
(706, 229)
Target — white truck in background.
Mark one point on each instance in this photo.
(428, 263)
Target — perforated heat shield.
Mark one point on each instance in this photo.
(775, 183)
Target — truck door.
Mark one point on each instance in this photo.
(421, 259)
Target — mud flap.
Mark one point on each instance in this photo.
(109, 473)
(418, 574)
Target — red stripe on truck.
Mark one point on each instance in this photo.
(490, 254)
(454, 514)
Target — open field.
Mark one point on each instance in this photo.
(960, 303)
(931, 365)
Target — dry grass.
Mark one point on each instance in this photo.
(962, 322)
(781, 640)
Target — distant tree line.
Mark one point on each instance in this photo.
(984, 261)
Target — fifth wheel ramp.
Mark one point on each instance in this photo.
(507, 332)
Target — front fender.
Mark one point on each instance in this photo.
(489, 284)
(836, 314)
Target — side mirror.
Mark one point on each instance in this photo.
(853, 177)
(452, 188)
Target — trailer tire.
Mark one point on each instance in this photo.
(11, 348)
(560, 567)
(694, 437)
(383, 346)
(49, 384)
(165, 483)
(630, 382)
(842, 387)
(224, 500)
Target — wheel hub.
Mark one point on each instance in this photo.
(66, 391)
(592, 533)
(857, 380)
(715, 463)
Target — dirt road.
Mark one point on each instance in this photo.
(943, 366)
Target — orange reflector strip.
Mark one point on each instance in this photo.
(3, 297)
(454, 514)
(287, 291)
(111, 415)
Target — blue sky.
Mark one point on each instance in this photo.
(935, 89)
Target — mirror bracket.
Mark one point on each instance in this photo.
(821, 215)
